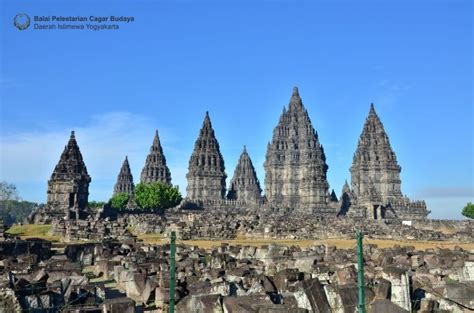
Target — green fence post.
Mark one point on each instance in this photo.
(360, 272)
(172, 270)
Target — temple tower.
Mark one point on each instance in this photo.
(375, 178)
(124, 182)
(295, 165)
(375, 173)
(68, 187)
(206, 173)
(346, 199)
(244, 185)
(155, 168)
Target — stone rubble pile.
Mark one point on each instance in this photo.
(93, 229)
(124, 275)
(233, 223)
(228, 224)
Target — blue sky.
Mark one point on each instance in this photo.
(240, 60)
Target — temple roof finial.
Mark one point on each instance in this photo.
(156, 142)
(73, 135)
(295, 91)
(207, 118)
(372, 109)
(295, 99)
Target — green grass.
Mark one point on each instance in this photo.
(33, 231)
(152, 238)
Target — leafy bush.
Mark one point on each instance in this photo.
(468, 210)
(119, 201)
(157, 195)
(95, 204)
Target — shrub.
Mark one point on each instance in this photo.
(119, 201)
(156, 195)
(468, 210)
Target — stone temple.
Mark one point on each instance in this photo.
(244, 185)
(206, 173)
(295, 165)
(375, 177)
(155, 168)
(295, 175)
(68, 188)
(124, 182)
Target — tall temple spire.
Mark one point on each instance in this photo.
(375, 172)
(124, 182)
(206, 173)
(155, 168)
(295, 98)
(372, 110)
(345, 187)
(156, 142)
(245, 185)
(295, 165)
(68, 187)
(375, 177)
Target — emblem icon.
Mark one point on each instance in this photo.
(21, 21)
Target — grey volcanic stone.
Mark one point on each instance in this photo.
(200, 304)
(245, 185)
(375, 177)
(375, 173)
(155, 168)
(384, 306)
(68, 187)
(206, 173)
(295, 165)
(284, 278)
(312, 293)
(118, 305)
(124, 182)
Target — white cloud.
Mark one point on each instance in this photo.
(30, 157)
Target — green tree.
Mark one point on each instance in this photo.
(8, 191)
(157, 195)
(12, 209)
(119, 201)
(468, 210)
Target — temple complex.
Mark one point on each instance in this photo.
(375, 177)
(295, 175)
(244, 185)
(206, 173)
(68, 187)
(124, 182)
(295, 165)
(155, 168)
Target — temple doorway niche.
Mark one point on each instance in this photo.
(72, 197)
(379, 212)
